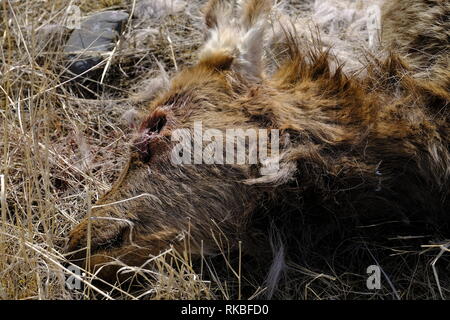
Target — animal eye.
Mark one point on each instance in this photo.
(158, 125)
(114, 242)
(155, 122)
(148, 141)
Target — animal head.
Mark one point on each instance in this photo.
(230, 142)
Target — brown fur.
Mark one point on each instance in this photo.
(354, 152)
(420, 32)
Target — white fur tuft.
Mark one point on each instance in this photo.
(155, 9)
(242, 41)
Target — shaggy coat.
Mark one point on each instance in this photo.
(355, 151)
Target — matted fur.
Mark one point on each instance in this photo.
(354, 152)
(420, 32)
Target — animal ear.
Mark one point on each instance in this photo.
(253, 11)
(236, 43)
(216, 13)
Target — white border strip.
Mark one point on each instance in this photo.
(2, 189)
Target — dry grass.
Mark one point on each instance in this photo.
(60, 151)
(63, 143)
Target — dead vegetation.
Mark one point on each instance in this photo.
(61, 149)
